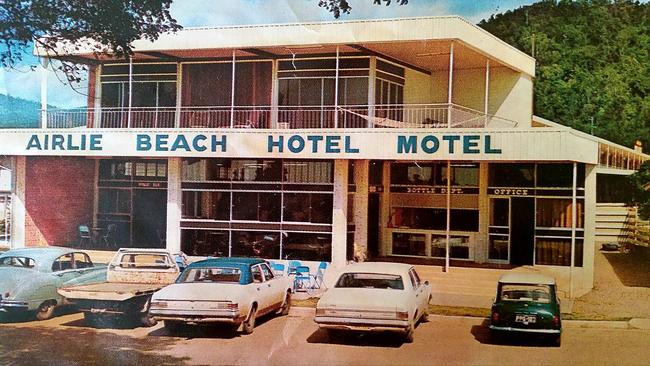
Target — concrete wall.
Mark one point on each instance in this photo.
(511, 95)
(58, 198)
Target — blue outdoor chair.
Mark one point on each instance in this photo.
(320, 273)
(293, 265)
(278, 268)
(303, 280)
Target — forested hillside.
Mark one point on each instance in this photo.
(593, 61)
(18, 112)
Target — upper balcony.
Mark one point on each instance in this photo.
(440, 72)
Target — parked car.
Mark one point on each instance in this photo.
(30, 277)
(527, 303)
(133, 275)
(222, 290)
(375, 297)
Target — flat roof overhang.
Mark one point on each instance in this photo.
(421, 42)
(531, 144)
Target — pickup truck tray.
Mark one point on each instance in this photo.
(110, 291)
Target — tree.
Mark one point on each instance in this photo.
(112, 25)
(338, 7)
(593, 63)
(640, 183)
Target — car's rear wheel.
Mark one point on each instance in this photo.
(336, 334)
(46, 310)
(408, 336)
(98, 320)
(284, 310)
(249, 323)
(172, 326)
(556, 341)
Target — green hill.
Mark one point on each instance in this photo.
(18, 112)
(593, 61)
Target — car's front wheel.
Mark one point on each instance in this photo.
(172, 326)
(46, 310)
(249, 323)
(286, 306)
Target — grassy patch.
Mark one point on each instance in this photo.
(307, 303)
(458, 311)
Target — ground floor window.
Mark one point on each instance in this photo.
(256, 243)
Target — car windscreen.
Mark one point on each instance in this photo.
(370, 280)
(145, 260)
(17, 262)
(524, 292)
(213, 274)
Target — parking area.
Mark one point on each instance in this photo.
(295, 339)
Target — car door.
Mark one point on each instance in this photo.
(63, 268)
(262, 290)
(276, 294)
(418, 290)
(424, 290)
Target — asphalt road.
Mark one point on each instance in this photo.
(295, 340)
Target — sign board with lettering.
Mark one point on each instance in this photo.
(390, 144)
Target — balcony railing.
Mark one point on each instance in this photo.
(283, 117)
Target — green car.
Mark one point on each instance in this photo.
(527, 303)
(29, 278)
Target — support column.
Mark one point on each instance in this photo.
(340, 213)
(174, 202)
(573, 229)
(384, 213)
(336, 91)
(589, 241)
(44, 63)
(450, 87)
(128, 119)
(361, 172)
(179, 95)
(18, 212)
(482, 239)
(372, 85)
(275, 90)
(232, 92)
(97, 103)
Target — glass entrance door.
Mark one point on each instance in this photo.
(499, 230)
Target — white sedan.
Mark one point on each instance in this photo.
(374, 296)
(222, 290)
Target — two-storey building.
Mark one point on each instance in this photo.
(395, 139)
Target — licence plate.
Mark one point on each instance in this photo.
(526, 319)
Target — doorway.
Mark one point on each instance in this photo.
(149, 218)
(522, 230)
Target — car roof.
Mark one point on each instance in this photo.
(44, 256)
(527, 278)
(231, 261)
(377, 267)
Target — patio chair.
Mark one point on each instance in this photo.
(293, 265)
(278, 268)
(303, 281)
(84, 235)
(110, 237)
(320, 273)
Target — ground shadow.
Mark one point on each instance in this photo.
(207, 330)
(361, 339)
(47, 346)
(632, 268)
(28, 316)
(483, 335)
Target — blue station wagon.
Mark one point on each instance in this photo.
(29, 278)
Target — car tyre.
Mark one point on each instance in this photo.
(147, 320)
(96, 320)
(172, 326)
(46, 310)
(286, 306)
(556, 341)
(336, 334)
(249, 323)
(409, 335)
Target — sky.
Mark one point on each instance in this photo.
(25, 83)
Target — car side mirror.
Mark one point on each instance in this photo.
(426, 283)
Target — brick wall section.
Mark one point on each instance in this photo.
(58, 198)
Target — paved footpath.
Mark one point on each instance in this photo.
(296, 340)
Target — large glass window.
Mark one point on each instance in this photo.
(511, 175)
(458, 246)
(431, 174)
(409, 244)
(206, 205)
(557, 251)
(433, 219)
(556, 212)
(114, 201)
(307, 246)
